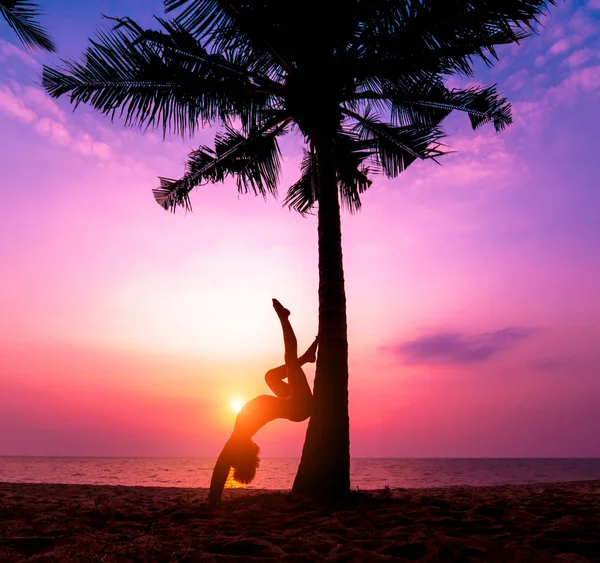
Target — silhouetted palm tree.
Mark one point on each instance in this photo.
(21, 16)
(362, 81)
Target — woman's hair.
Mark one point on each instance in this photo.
(245, 461)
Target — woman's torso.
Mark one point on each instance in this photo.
(265, 408)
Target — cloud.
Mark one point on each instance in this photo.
(34, 108)
(457, 347)
(9, 50)
(594, 4)
(87, 146)
(582, 26)
(84, 144)
(41, 101)
(13, 105)
(518, 80)
(57, 132)
(481, 161)
(555, 32)
(580, 81)
(579, 58)
(560, 47)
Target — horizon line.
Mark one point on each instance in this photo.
(298, 458)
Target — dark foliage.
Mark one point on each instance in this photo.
(372, 73)
(22, 15)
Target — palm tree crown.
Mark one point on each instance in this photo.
(21, 16)
(370, 74)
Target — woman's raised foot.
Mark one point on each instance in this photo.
(280, 309)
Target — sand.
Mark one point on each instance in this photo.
(44, 522)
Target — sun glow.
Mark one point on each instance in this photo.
(236, 404)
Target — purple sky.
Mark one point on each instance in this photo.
(472, 287)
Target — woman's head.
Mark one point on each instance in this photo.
(244, 460)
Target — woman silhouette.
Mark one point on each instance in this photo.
(292, 401)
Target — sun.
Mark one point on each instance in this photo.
(236, 404)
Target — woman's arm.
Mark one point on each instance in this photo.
(219, 477)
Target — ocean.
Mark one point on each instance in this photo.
(279, 473)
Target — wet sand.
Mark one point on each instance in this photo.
(554, 522)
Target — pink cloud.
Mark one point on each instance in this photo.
(12, 105)
(41, 101)
(87, 146)
(518, 80)
(9, 50)
(528, 114)
(453, 347)
(579, 58)
(560, 47)
(47, 120)
(581, 81)
(582, 26)
(478, 158)
(554, 32)
(57, 132)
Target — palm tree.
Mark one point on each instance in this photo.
(21, 16)
(362, 82)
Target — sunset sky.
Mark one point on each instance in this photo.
(473, 287)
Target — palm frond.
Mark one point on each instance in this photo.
(247, 29)
(302, 195)
(483, 105)
(253, 160)
(177, 39)
(373, 71)
(200, 17)
(444, 36)
(406, 101)
(394, 148)
(428, 103)
(22, 16)
(180, 47)
(352, 176)
(125, 74)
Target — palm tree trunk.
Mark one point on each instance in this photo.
(324, 470)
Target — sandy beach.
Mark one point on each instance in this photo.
(547, 522)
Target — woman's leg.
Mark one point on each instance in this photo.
(274, 377)
(298, 384)
(289, 338)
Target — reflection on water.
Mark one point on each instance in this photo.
(279, 473)
(231, 483)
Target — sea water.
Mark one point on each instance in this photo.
(278, 473)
